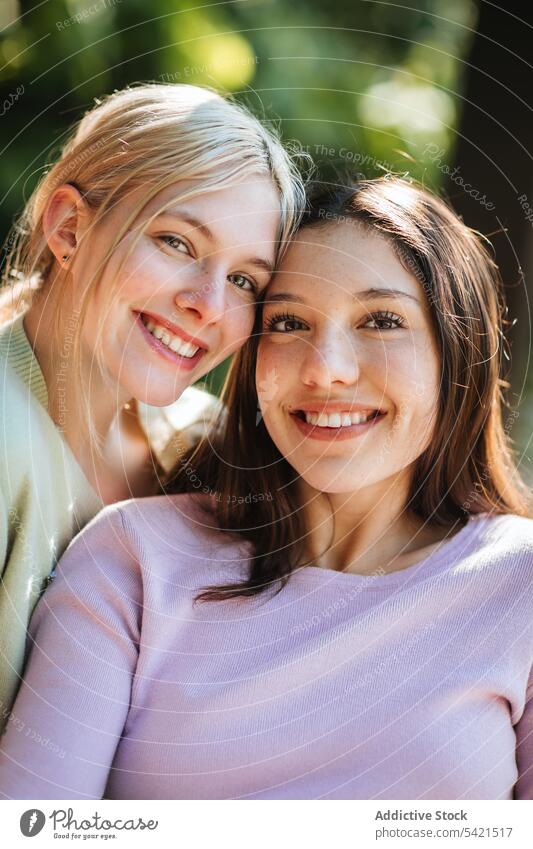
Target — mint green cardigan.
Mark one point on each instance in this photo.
(45, 498)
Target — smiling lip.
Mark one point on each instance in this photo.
(184, 363)
(332, 407)
(173, 328)
(335, 434)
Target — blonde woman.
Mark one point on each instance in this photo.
(364, 633)
(144, 249)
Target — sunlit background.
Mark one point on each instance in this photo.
(438, 90)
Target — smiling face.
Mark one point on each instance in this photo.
(347, 368)
(178, 293)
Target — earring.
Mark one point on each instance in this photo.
(66, 258)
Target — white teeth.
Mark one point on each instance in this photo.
(337, 419)
(184, 349)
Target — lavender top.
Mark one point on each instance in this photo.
(409, 685)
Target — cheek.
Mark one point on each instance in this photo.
(276, 375)
(263, 358)
(285, 352)
(409, 374)
(425, 384)
(275, 364)
(237, 326)
(142, 274)
(415, 392)
(126, 280)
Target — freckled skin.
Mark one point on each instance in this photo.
(189, 285)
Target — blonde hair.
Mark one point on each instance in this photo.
(151, 136)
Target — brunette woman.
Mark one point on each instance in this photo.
(347, 612)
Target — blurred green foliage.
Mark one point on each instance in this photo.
(362, 86)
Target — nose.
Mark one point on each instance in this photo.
(205, 298)
(332, 359)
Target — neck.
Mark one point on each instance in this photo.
(368, 531)
(53, 310)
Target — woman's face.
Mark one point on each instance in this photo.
(178, 293)
(347, 370)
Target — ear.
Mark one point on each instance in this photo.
(65, 218)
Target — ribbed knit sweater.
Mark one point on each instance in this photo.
(413, 684)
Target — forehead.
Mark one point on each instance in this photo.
(347, 255)
(242, 213)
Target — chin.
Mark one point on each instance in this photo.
(339, 475)
(333, 489)
(151, 393)
(160, 399)
(329, 483)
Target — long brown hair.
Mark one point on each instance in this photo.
(468, 467)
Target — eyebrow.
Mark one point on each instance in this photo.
(183, 215)
(372, 294)
(259, 262)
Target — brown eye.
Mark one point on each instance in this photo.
(384, 321)
(284, 323)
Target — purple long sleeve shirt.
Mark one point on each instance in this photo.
(409, 685)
